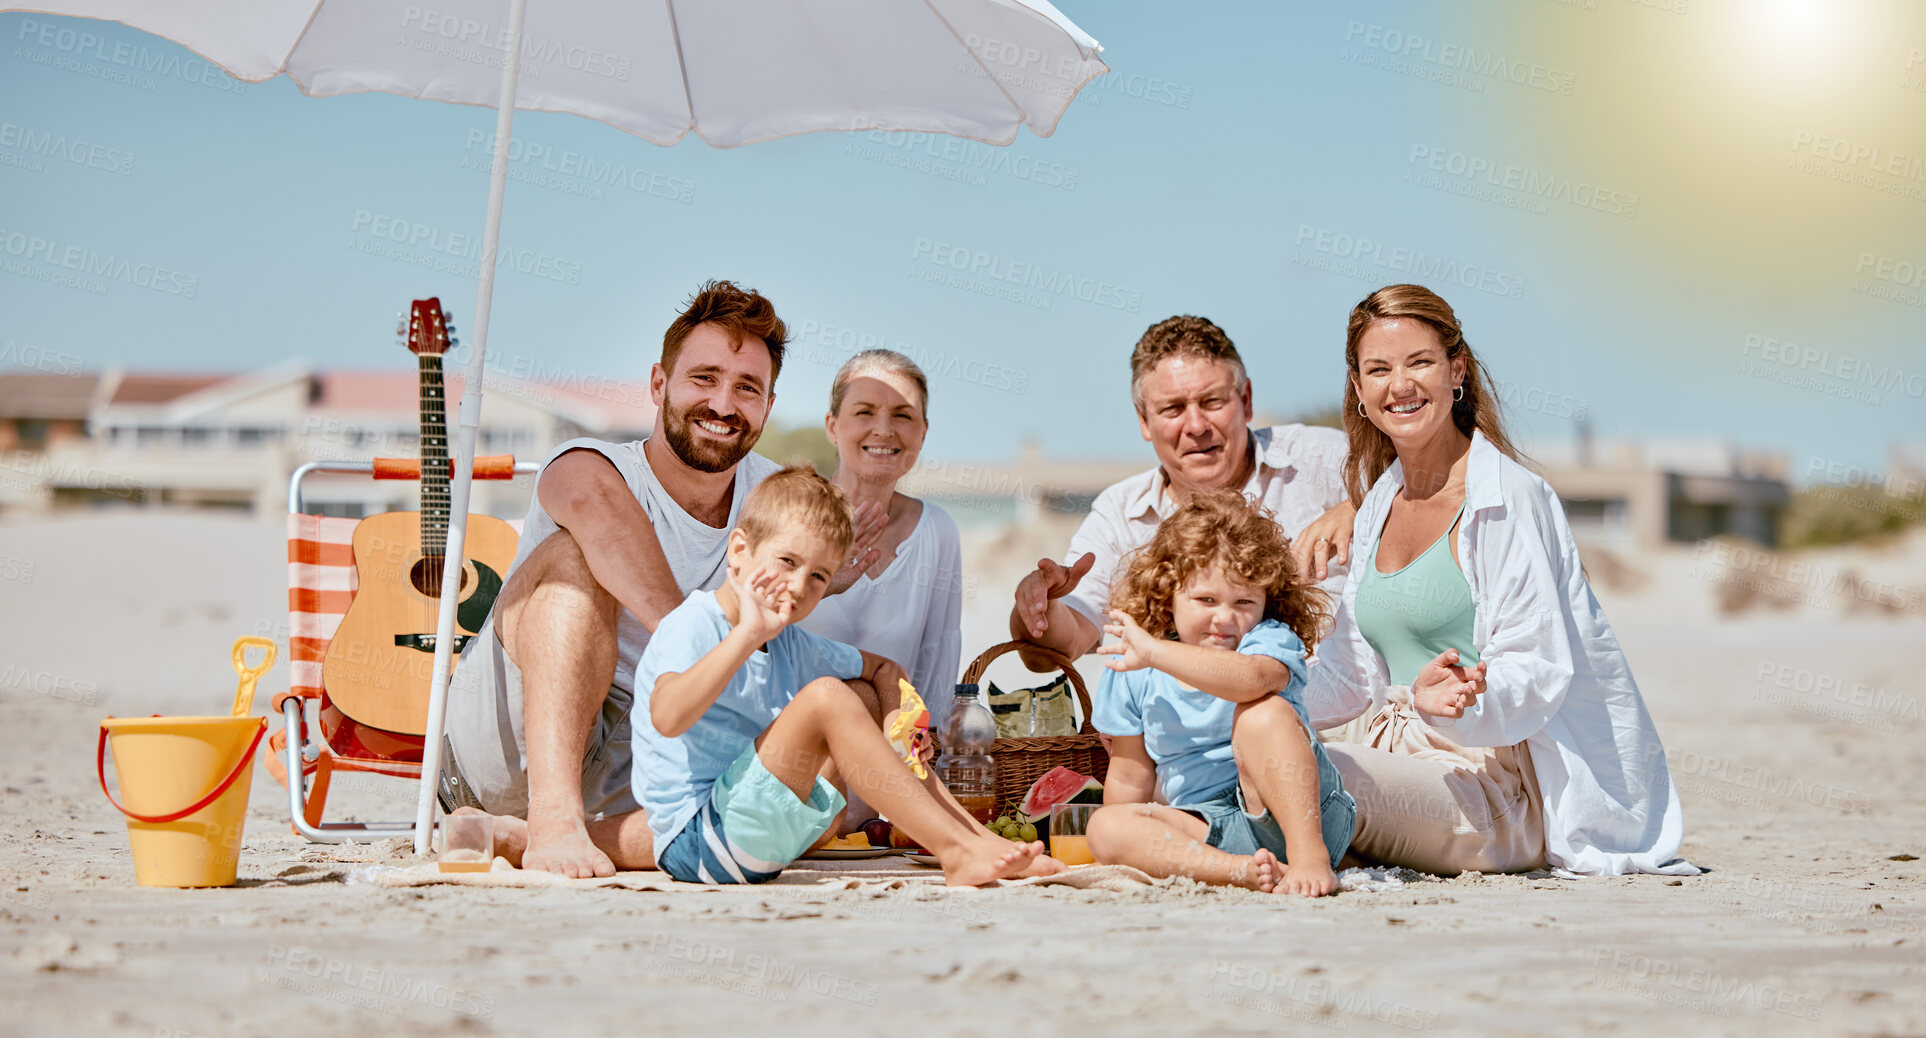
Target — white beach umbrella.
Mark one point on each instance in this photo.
(732, 71)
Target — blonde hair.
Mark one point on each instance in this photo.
(1224, 529)
(1371, 450)
(871, 362)
(797, 496)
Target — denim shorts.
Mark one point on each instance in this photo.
(750, 829)
(1234, 830)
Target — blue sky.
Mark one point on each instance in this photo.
(1685, 219)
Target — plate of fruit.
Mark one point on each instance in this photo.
(845, 848)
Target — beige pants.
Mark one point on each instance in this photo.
(1427, 803)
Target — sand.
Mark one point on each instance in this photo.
(1794, 727)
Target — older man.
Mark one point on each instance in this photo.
(1193, 403)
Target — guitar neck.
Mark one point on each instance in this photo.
(434, 459)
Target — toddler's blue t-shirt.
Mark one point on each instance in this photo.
(1187, 732)
(672, 777)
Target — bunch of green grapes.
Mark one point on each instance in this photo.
(1011, 825)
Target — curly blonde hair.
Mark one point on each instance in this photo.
(1220, 528)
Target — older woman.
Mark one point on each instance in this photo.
(1508, 734)
(906, 601)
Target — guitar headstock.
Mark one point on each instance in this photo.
(428, 328)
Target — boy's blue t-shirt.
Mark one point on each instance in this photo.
(672, 777)
(1187, 732)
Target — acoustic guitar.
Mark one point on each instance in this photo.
(378, 665)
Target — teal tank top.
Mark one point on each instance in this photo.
(1412, 615)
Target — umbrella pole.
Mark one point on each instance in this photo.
(468, 421)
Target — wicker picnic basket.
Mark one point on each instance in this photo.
(1019, 762)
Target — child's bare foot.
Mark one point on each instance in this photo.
(1266, 871)
(511, 834)
(1044, 865)
(1312, 879)
(985, 861)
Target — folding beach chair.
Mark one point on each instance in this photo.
(321, 585)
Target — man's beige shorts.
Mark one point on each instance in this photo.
(485, 761)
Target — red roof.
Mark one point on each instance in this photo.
(367, 391)
(41, 395)
(160, 389)
(600, 403)
(622, 404)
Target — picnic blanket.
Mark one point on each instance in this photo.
(391, 863)
(879, 874)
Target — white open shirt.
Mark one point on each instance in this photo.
(1556, 678)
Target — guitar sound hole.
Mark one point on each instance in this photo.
(426, 577)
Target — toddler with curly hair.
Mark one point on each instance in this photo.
(1203, 708)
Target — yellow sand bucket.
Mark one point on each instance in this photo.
(184, 783)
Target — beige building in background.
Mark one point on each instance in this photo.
(1631, 496)
(231, 441)
(1645, 495)
(121, 439)
(40, 411)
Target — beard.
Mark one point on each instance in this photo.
(705, 455)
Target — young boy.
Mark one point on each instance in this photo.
(745, 724)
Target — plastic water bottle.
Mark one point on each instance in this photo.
(966, 768)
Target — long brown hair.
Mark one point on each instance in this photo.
(1220, 528)
(1371, 450)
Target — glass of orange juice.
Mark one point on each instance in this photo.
(1068, 844)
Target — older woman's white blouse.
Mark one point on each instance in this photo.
(912, 612)
(1556, 678)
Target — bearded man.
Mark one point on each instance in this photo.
(617, 535)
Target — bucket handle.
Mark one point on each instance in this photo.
(244, 693)
(100, 765)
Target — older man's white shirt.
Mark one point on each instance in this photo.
(1299, 475)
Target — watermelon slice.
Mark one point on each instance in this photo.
(1053, 787)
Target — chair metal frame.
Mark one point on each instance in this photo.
(306, 750)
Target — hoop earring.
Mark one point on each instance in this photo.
(1361, 413)
(1458, 392)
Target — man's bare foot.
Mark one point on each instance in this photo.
(1266, 871)
(988, 860)
(511, 834)
(562, 846)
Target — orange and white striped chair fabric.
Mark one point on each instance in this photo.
(321, 585)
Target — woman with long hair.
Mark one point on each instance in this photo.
(1508, 734)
